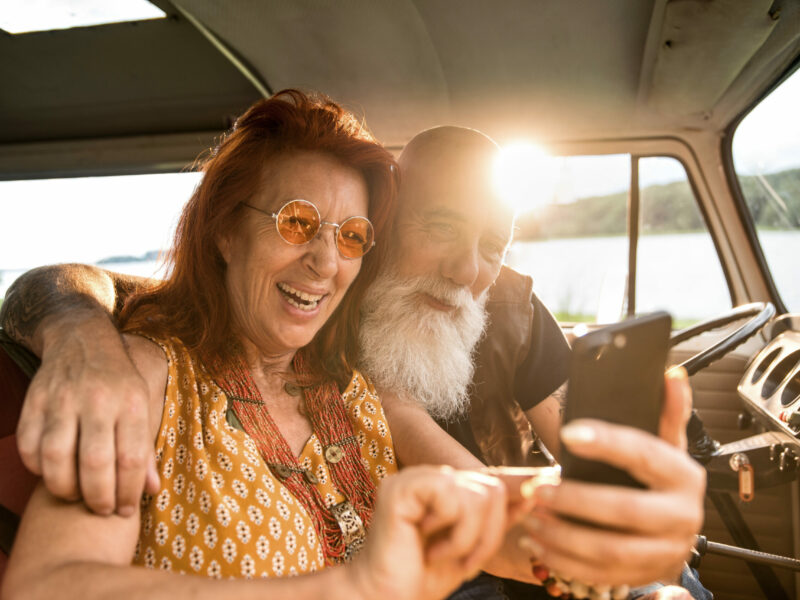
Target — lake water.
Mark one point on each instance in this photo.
(679, 273)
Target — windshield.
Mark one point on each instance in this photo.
(766, 156)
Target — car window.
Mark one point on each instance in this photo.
(766, 156)
(678, 268)
(120, 223)
(576, 246)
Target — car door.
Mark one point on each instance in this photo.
(634, 235)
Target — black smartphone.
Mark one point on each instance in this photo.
(617, 375)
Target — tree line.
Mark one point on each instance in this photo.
(773, 201)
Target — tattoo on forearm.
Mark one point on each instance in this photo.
(62, 289)
(48, 291)
(25, 306)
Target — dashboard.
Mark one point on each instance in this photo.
(771, 385)
(770, 392)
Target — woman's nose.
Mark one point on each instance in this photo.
(323, 253)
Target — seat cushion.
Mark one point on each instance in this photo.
(13, 384)
(16, 482)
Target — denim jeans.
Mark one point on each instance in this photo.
(489, 587)
(689, 580)
(483, 587)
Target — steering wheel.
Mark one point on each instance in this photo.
(701, 445)
(759, 314)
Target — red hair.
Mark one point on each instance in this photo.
(192, 303)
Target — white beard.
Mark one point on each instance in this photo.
(416, 351)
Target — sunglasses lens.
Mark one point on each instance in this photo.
(298, 222)
(355, 237)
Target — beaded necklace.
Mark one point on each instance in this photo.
(328, 416)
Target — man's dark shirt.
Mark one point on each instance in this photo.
(522, 359)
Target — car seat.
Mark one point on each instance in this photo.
(16, 482)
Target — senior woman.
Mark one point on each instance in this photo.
(269, 445)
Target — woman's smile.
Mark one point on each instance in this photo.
(304, 301)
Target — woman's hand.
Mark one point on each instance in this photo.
(433, 528)
(643, 535)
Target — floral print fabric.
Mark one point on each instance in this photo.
(220, 511)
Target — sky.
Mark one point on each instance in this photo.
(87, 219)
(768, 139)
(19, 16)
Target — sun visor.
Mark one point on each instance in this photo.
(702, 48)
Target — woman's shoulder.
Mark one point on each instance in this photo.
(151, 362)
(145, 351)
(170, 347)
(150, 359)
(159, 351)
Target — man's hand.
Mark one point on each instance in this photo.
(643, 535)
(677, 408)
(433, 528)
(88, 401)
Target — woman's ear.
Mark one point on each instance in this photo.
(223, 242)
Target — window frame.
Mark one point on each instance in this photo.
(651, 147)
(739, 201)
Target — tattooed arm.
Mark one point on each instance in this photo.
(545, 419)
(50, 293)
(87, 383)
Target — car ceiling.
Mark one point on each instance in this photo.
(149, 95)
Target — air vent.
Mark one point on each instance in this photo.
(764, 364)
(777, 374)
(792, 390)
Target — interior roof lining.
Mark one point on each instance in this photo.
(415, 66)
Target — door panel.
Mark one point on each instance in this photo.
(769, 515)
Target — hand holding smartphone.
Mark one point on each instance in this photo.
(617, 375)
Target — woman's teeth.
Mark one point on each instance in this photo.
(298, 298)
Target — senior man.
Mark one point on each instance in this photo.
(420, 326)
(448, 327)
(443, 285)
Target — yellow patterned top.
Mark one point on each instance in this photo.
(221, 512)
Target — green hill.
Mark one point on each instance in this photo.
(768, 212)
(667, 208)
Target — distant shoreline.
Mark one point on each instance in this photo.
(147, 256)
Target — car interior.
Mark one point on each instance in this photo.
(651, 92)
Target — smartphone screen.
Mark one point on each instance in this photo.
(617, 375)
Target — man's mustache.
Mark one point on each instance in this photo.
(441, 290)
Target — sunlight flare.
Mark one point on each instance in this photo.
(524, 176)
